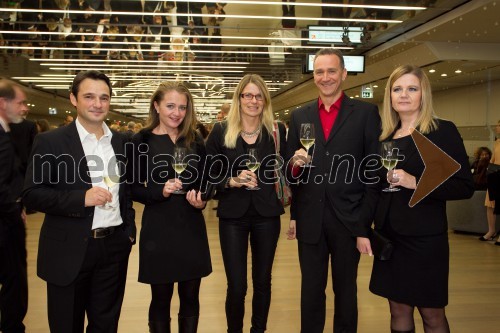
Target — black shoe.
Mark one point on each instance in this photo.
(497, 243)
(482, 239)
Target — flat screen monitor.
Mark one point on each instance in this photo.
(353, 64)
(317, 34)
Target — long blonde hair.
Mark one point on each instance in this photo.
(188, 126)
(234, 126)
(426, 121)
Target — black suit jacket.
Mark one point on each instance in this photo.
(339, 177)
(9, 210)
(59, 192)
(234, 202)
(428, 217)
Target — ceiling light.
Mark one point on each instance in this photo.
(458, 71)
(264, 17)
(432, 70)
(444, 74)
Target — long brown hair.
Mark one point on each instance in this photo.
(188, 126)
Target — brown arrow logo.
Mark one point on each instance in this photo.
(439, 166)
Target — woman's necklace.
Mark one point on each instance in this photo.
(250, 134)
(403, 132)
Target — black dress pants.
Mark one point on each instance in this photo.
(234, 235)
(97, 291)
(13, 274)
(338, 245)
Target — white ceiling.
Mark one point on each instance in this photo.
(449, 35)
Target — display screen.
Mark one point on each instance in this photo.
(353, 64)
(317, 34)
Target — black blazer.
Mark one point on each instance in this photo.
(59, 192)
(9, 210)
(234, 202)
(338, 176)
(428, 217)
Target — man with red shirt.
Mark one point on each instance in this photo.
(334, 201)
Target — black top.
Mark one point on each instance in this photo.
(228, 162)
(173, 245)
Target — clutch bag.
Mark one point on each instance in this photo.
(382, 246)
(492, 168)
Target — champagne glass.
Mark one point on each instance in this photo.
(110, 181)
(179, 165)
(389, 160)
(307, 138)
(253, 164)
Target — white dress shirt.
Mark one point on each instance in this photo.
(101, 150)
(4, 125)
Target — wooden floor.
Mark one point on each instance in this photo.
(474, 289)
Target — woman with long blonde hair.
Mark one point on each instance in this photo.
(245, 213)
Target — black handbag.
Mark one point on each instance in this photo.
(492, 168)
(382, 246)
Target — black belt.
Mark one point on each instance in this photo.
(102, 232)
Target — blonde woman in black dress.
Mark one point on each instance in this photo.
(173, 245)
(416, 276)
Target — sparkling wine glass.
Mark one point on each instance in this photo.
(110, 181)
(253, 164)
(307, 138)
(388, 154)
(179, 165)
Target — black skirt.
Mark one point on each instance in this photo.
(417, 273)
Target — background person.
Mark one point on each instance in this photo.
(173, 245)
(89, 226)
(13, 274)
(479, 168)
(416, 275)
(493, 184)
(247, 214)
(333, 216)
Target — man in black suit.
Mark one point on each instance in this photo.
(333, 203)
(13, 277)
(89, 227)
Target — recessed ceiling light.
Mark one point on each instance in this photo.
(458, 71)
(432, 70)
(375, 86)
(444, 74)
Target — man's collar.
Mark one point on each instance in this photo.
(83, 133)
(337, 103)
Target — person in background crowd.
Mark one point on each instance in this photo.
(42, 125)
(331, 217)
(89, 224)
(479, 167)
(202, 130)
(137, 127)
(23, 134)
(68, 120)
(13, 274)
(173, 246)
(481, 153)
(129, 133)
(493, 193)
(245, 213)
(416, 275)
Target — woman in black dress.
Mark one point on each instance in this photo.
(173, 243)
(417, 273)
(244, 213)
